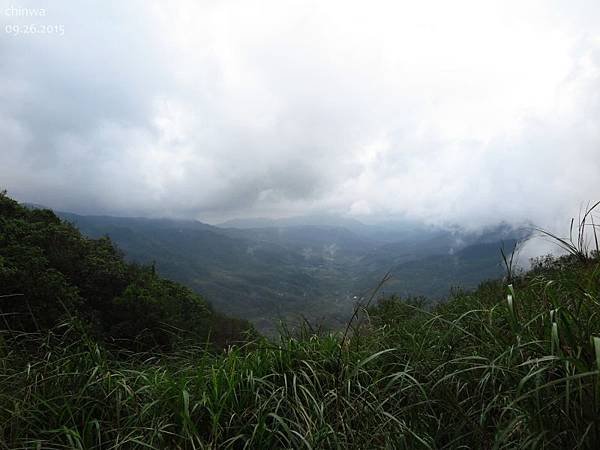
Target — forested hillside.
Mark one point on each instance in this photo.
(50, 273)
(314, 268)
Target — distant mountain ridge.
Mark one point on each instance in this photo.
(323, 220)
(309, 269)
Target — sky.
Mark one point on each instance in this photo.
(464, 112)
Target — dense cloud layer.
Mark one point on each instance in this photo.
(465, 111)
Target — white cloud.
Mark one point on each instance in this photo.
(465, 111)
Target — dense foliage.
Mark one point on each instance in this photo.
(509, 365)
(49, 274)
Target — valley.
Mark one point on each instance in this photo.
(313, 268)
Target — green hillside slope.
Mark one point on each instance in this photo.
(50, 273)
(505, 366)
(290, 271)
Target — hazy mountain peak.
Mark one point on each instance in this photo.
(325, 220)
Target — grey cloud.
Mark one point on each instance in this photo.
(213, 110)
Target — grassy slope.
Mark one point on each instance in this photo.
(478, 372)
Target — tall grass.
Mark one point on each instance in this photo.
(582, 241)
(514, 364)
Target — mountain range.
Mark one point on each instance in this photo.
(313, 267)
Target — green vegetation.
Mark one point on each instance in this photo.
(313, 271)
(505, 366)
(50, 274)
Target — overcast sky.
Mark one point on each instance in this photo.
(457, 111)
